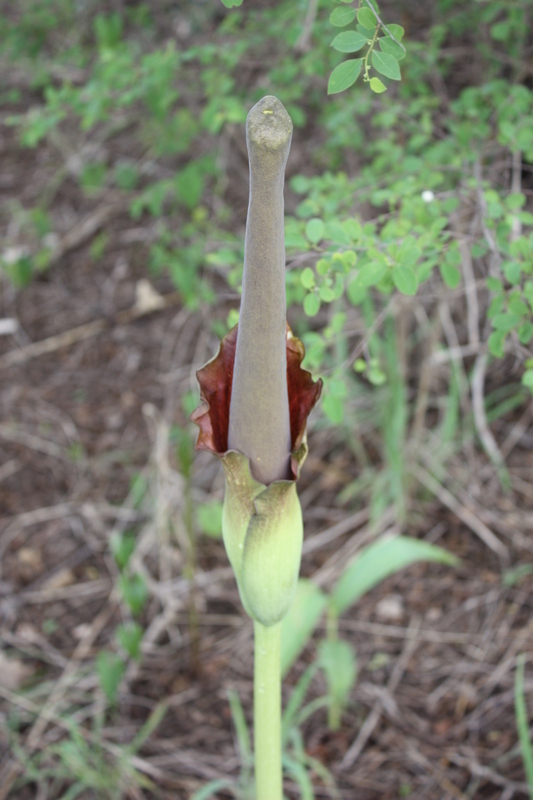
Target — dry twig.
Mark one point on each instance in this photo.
(373, 718)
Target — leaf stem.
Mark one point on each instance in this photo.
(267, 712)
(368, 52)
(380, 21)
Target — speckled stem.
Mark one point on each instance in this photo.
(259, 424)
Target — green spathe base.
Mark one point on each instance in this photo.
(263, 534)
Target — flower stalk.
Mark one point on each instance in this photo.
(255, 402)
(267, 711)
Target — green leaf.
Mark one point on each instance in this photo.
(337, 387)
(375, 374)
(110, 668)
(366, 18)
(496, 343)
(122, 546)
(345, 75)
(337, 659)
(506, 321)
(515, 201)
(298, 625)
(342, 16)
(396, 30)
(314, 230)
(353, 228)
(20, 272)
(134, 591)
(349, 41)
(377, 86)
(349, 257)
(527, 378)
(513, 576)
(500, 30)
(392, 48)
(494, 284)
(209, 518)
(189, 184)
(307, 278)
(512, 271)
(130, 637)
(311, 305)
(335, 230)
(367, 32)
(326, 293)
(405, 279)
(525, 217)
(386, 65)
(371, 273)
(232, 3)
(333, 408)
(379, 560)
(517, 305)
(528, 292)
(355, 292)
(93, 176)
(450, 275)
(525, 332)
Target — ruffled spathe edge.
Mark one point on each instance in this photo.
(215, 379)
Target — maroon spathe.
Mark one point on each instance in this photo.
(216, 377)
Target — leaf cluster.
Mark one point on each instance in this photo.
(382, 53)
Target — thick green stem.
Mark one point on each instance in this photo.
(267, 712)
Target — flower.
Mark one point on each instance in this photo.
(216, 378)
(255, 395)
(262, 525)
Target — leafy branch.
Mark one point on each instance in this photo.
(383, 52)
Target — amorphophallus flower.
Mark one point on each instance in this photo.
(256, 397)
(255, 402)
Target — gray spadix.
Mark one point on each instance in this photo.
(259, 422)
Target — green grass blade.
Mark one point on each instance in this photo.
(241, 728)
(296, 699)
(300, 776)
(522, 723)
(148, 728)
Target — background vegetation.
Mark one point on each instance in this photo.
(409, 237)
